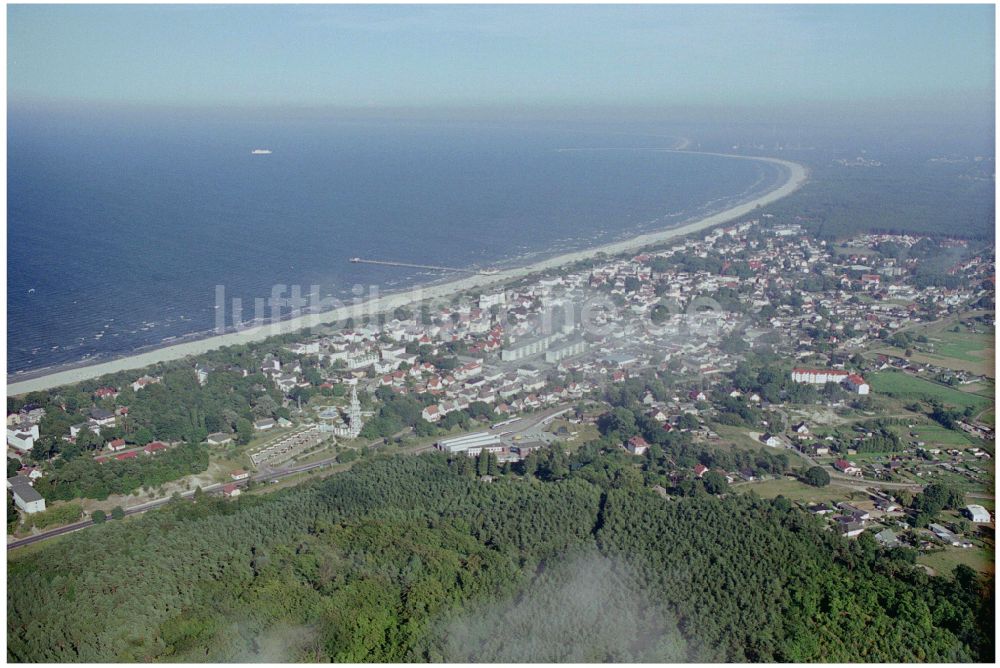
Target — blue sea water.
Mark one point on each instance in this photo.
(120, 229)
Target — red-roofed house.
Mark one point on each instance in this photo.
(700, 469)
(432, 413)
(231, 490)
(849, 468)
(857, 384)
(154, 448)
(637, 445)
(127, 455)
(239, 474)
(117, 444)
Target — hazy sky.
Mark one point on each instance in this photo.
(498, 56)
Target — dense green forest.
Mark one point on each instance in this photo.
(414, 558)
(906, 194)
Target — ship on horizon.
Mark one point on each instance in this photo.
(261, 151)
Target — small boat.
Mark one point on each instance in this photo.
(261, 151)
(31, 291)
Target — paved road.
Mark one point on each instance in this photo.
(528, 423)
(69, 528)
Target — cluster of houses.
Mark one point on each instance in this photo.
(126, 452)
(568, 334)
(885, 517)
(927, 369)
(553, 327)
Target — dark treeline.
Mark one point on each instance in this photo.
(903, 196)
(416, 559)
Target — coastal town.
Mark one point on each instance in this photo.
(750, 358)
(657, 334)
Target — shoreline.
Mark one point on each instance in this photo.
(797, 175)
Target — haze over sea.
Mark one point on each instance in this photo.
(120, 229)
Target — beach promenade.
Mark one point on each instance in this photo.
(796, 176)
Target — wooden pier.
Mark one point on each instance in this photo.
(431, 267)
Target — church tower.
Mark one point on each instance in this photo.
(354, 413)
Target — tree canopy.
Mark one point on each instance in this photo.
(414, 558)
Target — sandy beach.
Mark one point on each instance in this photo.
(797, 175)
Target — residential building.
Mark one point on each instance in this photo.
(22, 438)
(25, 496)
(637, 445)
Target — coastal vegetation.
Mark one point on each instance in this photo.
(416, 558)
(59, 515)
(909, 194)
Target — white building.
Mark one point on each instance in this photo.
(143, 382)
(25, 496)
(819, 376)
(524, 349)
(857, 384)
(852, 381)
(637, 445)
(487, 301)
(22, 439)
(471, 444)
(847, 468)
(361, 361)
(977, 514)
(568, 349)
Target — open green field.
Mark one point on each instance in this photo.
(584, 433)
(905, 386)
(964, 344)
(944, 561)
(988, 504)
(797, 491)
(964, 350)
(984, 367)
(740, 437)
(934, 434)
(962, 483)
